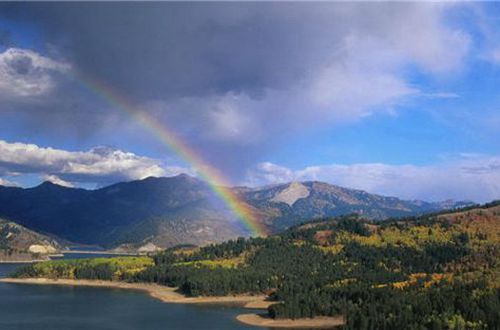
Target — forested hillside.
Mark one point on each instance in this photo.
(432, 272)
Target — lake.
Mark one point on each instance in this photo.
(32, 307)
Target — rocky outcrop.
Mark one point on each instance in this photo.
(291, 194)
(18, 243)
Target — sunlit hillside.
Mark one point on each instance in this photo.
(439, 271)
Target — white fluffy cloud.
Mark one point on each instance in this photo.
(365, 72)
(57, 180)
(7, 183)
(472, 177)
(99, 165)
(228, 122)
(25, 73)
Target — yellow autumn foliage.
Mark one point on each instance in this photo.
(222, 263)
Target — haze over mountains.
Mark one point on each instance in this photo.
(176, 210)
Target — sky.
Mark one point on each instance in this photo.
(399, 99)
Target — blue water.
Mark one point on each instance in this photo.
(34, 307)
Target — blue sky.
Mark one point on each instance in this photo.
(394, 98)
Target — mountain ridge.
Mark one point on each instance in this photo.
(182, 209)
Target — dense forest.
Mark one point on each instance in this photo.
(440, 271)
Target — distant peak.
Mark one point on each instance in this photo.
(187, 178)
(46, 184)
(292, 193)
(49, 185)
(181, 176)
(176, 179)
(149, 178)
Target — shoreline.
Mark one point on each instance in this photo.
(20, 261)
(169, 295)
(319, 322)
(69, 252)
(30, 261)
(164, 293)
(105, 252)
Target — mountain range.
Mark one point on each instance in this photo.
(168, 211)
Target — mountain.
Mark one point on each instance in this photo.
(124, 212)
(289, 204)
(18, 243)
(183, 210)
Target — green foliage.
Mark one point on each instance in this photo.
(353, 226)
(121, 268)
(424, 273)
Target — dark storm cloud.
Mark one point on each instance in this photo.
(157, 50)
(235, 79)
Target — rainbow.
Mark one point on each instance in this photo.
(211, 175)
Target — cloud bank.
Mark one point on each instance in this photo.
(227, 75)
(468, 177)
(7, 183)
(100, 165)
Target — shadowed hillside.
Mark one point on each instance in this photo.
(182, 209)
